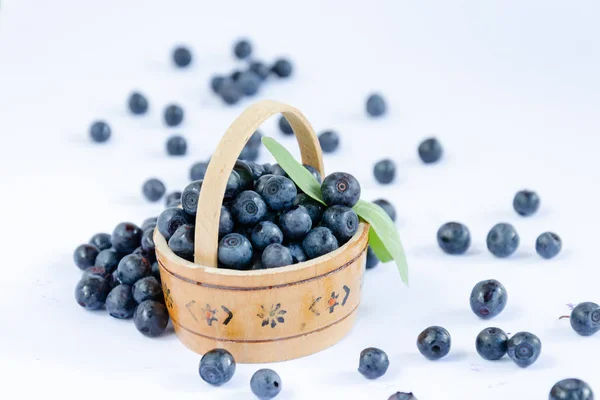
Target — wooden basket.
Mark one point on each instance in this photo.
(261, 315)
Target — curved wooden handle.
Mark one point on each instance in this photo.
(223, 160)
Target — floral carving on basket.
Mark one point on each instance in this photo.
(273, 316)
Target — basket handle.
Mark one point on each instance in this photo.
(223, 161)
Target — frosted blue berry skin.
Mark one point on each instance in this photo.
(526, 202)
(189, 198)
(248, 83)
(108, 259)
(314, 172)
(297, 252)
(265, 384)
(147, 245)
(373, 363)
(249, 153)
(430, 150)
(279, 193)
(226, 223)
(153, 189)
(585, 318)
(85, 256)
(173, 115)
(176, 146)
(101, 241)
(132, 268)
(233, 185)
(260, 69)
(156, 271)
(235, 251)
(502, 240)
(402, 396)
(245, 173)
(264, 234)
(340, 188)
(170, 220)
(91, 291)
(524, 348)
(229, 92)
(454, 238)
(372, 260)
(137, 103)
(376, 105)
(242, 49)
(257, 170)
(285, 126)
(217, 367)
(342, 221)
(173, 199)
(261, 182)
(276, 169)
(384, 171)
(149, 223)
(314, 208)
(276, 255)
(198, 170)
(295, 222)
(120, 302)
(100, 132)
(388, 207)
(182, 57)
(147, 288)
(319, 241)
(548, 245)
(488, 298)
(434, 342)
(571, 389)
(491, 343)
(248, 208)
(151, 318)
(126, 237)
(282, 68)
(182, 242)
(329, 141)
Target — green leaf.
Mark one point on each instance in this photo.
(378, 247)
(299, 174)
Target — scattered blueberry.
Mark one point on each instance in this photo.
(265, 384)
(147, 288)
(242, 49)
(173, 115)
(434, 342)
(132, 268)
(502, 240)
(297, 252)
(526, 202)
(454, 238)
(340, 188)
(585, 318)
(137, 103)
(182, 57)
(198, 171)
(182, 242)
(85, 256)
(282, 68)
(387, 207)
(329, 141)
(384, 171)
(279, 192)
(100, 132)
(151, 318)
(248, 83)
(120, 303)
(276, 255)
(170, 220)
(173, 199)
(108, 259)
(342, 221)
(229, 92)
(176, 146)
(217, 367)
(235, 251)
(248, 208)
(216, 82)
(372, 259)
(295, 222)
(259, 69)
(189, 198)
(524, 348)
(430, 150)
(376, 105)
(402, 396)
(91, 291)
(285, 126)
(548, 245)
(313, 207)
(491, 343)
(488, 298)
(314, 172)
(226, 223)
(126, 237)
(101, 241)
(373, 363)
(571, 389)
(153, 189)
(264, 234)
(249, 153)
(319, 241)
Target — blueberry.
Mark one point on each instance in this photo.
(132, 268)
(156, 271)
(242, 49)
(126, 237)
(329, 141)
(376, 105)
(176, 146)
(430, 150)
(173, 199)
(264, 234)
(235, 251)
(279, 193)
(216, 82)
(387, 207)
(313, 207)
(261, 182)
(173, 115)
(198, 171)
(295, 222)
(147, 288)
(585, 318)
(189, 198)
(226, 223)
(265, 384)
(249, 153)
(571, 389)
(285, 126)
(120, 303)
(341, 189)
(153, 189)
(319, 241)
(373, 363)
(282, 68)
(526, 202)
(248, 208)
(245, 174)
(91, 291)
(182, 57)
(151, 318)
(182, 242)
(171, 219)
(297, 252)
(257, 170)
(502, 240)
(454, 238)
(372, 259)
(548, 245)
(138, 104)
(276, 169)
(491, 343)
(524, 348)
(217, 367)
(100, 131)
(385, 171)
(402, 396)
(235, 75)
(276, 255)
(149, 223)
(229, 92)
(248, 83)
(147, 244)
(85, 256)
(342, 221)
(101, 241)
(107, 259)
(488, 298)
(314, 172)
(233, 187)
(259, 69)
(434, 342)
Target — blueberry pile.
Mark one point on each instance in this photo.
(266, 221)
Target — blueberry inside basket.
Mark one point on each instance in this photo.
(263, 315)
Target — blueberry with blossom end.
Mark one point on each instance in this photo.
(170, 220)
(526, 202)
(524, 348)
(279, 192)
(189, 198)
(342, 221)
(132, 268)
(340, 188)
(126, 237)
(384, 171)
(434, 342)
(548, 245)
(373, 363)
(248, 208)
(491, 343)
(571, 389)
(217, 367)
(585, 318)
(235, 251)
(454, 238)
(488, 298)
(265, 384)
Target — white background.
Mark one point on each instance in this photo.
(511, 88)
